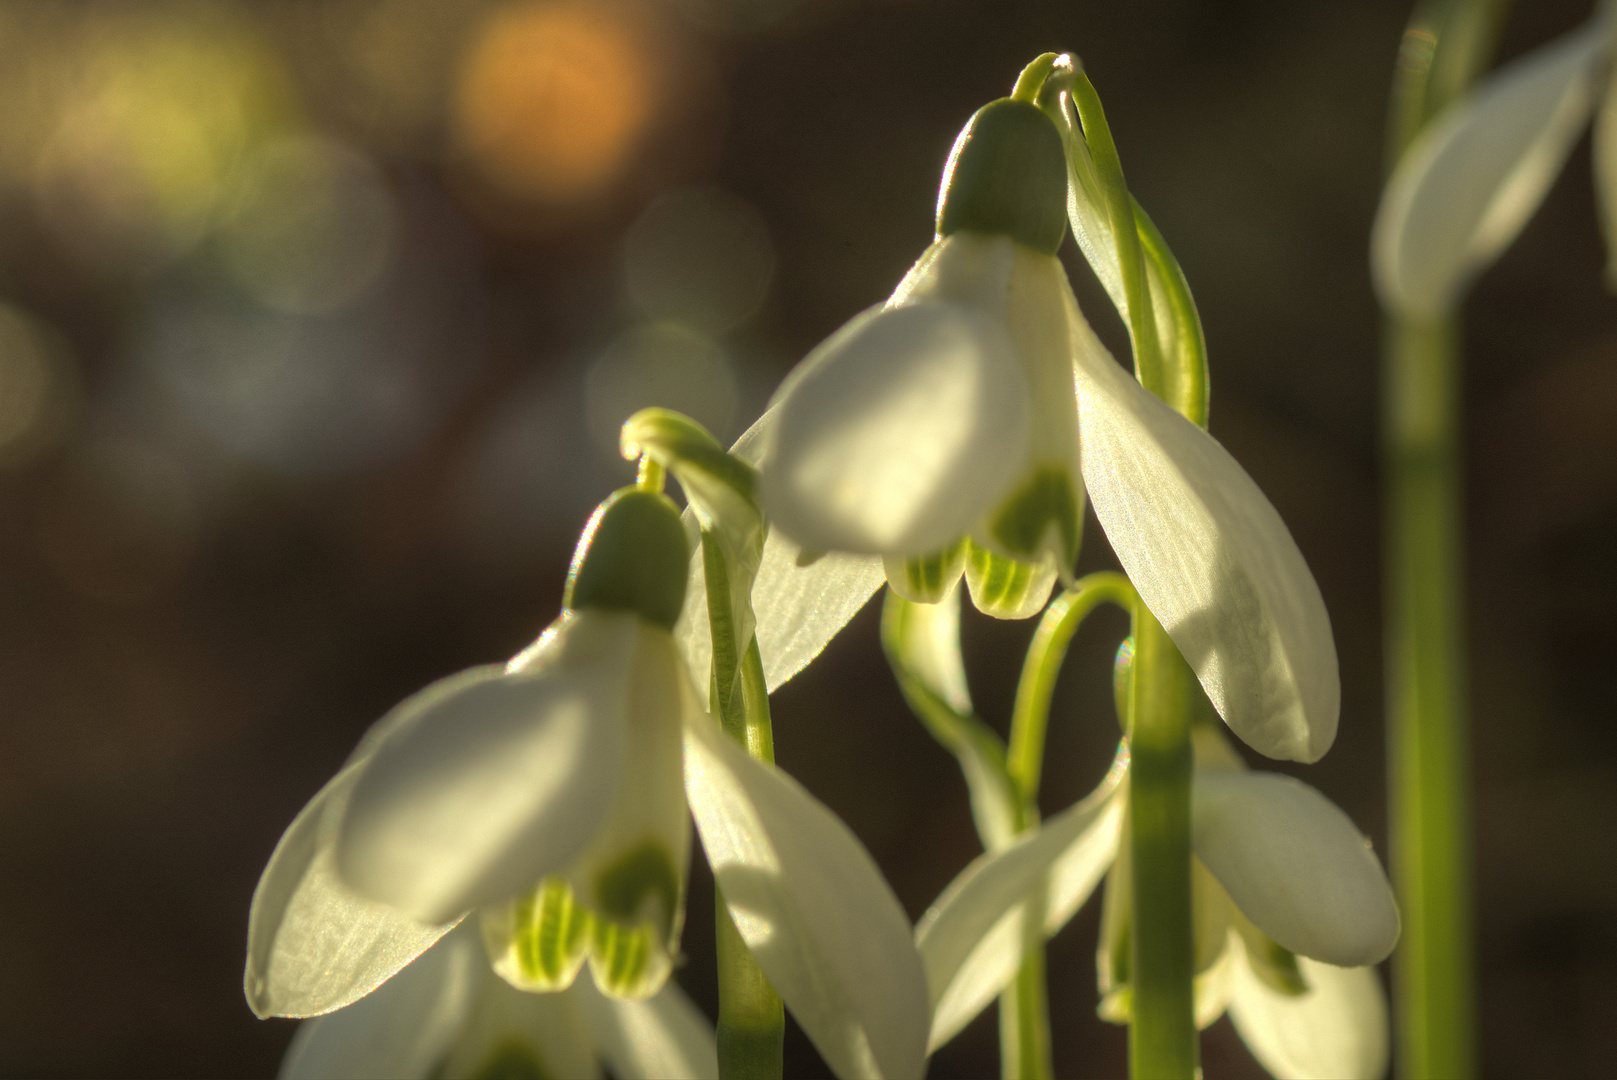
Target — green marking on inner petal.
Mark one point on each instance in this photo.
(927, 579)
(628, 961)
(642, 873)
(512, 1060)
(549, 935)
(1006, 588)
(1023, 520)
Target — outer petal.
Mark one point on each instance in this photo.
(1210, 557)
(812, 907)
(798, 608)
(404, 1029)
(1295, 865)
(313, 945)
(1468, 184)
(663, 1038)
(1336, 1031)
(501, 783)
(971, 939)
(898, 433)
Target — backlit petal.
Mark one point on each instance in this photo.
(1478, 171)
(1295, 865)
(663, 1038)
(798, 608)
(314, 945)
(813, 908)
(971, 939)
(404, 1029)
(1210, 557)
(897, 433)
(1336, 1031)
(500, 784)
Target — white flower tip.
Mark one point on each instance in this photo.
(897, 433)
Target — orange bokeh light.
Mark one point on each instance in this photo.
(554, 97)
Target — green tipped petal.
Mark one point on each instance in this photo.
(926, 579)
(1337, 1029)
(540, 940)
(1007, 588)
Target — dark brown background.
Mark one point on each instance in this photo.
(174, 683)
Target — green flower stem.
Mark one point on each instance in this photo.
(651, 475)
(1031, 715)
(1162, 1036)
(1426, 703)
(1031, 81)
(1024, 1014)
(752, 1021)
(1448, 43)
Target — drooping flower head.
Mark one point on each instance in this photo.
(553, 795)
(948, 429)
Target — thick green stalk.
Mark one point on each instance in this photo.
(1448, 43)
(752, 1021)
(1427, 753)
(1162, 1036)
(1162, 1033)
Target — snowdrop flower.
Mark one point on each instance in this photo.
(960, 417)
(1476, 173)
(1292, 910)
(550, 796)
(447, 1015)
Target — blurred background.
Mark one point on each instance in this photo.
(317, 321)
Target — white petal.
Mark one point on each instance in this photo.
(512, 1033)
(494, 787)
(897, 433)
(1211, 558)
(971, 938)
(404, 1029)
(1295, 865)
(813, 908)
(1336, 1031)
(313, 945)
(663, 1038)
(798, 609)
(1477, 172)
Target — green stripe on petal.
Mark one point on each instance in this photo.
(1047, 500)
(539, 941)
(629, 961)
(1007, 588)
(927, 579)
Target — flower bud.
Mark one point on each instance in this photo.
(1007, 174)
(632, 556)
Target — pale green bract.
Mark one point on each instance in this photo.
(574, 767)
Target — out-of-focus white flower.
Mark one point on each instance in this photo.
(551, 796)
(447, 1015)
(1292, 910)
(1476, 173)
(971, 403)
